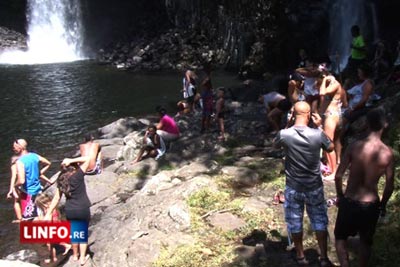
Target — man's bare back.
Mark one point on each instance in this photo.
(92, 150)
(369, 159)
(360, 207)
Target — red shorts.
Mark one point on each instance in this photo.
(29, 211)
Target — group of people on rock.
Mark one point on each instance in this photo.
(359, 206)
(320, 110)
(157, 137)
(31, 202)
(211, 109)
(338, 105)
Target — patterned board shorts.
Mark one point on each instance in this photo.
(315, 206)
(28, 206)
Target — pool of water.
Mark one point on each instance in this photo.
(52, 106)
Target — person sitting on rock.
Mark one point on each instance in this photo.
(183, 108)
(167, 127)
(93, 151)
(153, 145)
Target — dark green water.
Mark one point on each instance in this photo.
(52, 106)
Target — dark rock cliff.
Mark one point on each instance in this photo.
(251, 36)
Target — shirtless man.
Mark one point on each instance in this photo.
(332, 98)
(360, 206)
(93, 150)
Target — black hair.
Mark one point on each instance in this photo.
(376, 119)
(296, 77)
(152, 127)
(63, 183)
(89, 137)
(161, 110)
(355, 29)
(366, 69)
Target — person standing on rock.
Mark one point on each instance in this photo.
(358, 51)
(71, 183)
(220, 113)
(360, 206)
(207, 98)
(93, 151)
(167, 127)
(304, 186)
(13, 193)
(189, 88)
(29, 174)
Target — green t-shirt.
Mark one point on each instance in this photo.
(356, 53)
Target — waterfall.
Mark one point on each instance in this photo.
(343, 15)
(54, 34)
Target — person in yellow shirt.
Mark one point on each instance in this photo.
(358, 51)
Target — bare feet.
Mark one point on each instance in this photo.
(15, 221)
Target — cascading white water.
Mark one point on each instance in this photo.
(343, 15)
(54, 34)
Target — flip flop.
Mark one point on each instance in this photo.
(279, 198)
(67, 249)
(87, 257)
(302, 261)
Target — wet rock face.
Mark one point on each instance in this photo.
(10, 39)
(12, 15)
(251, 37)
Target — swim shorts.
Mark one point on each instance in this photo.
(356, 217)
(316, 209)
(29, 210)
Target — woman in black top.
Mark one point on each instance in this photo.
(71, 183)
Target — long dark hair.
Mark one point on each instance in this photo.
(63, 179)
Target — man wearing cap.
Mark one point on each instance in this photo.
(28, 173)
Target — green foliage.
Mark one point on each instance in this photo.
(206, 199)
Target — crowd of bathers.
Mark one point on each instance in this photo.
(29, 184)
(315, 97)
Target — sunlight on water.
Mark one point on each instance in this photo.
(54, 34)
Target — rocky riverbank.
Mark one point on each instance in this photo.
(205, 202)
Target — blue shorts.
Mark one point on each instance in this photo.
(315, 205)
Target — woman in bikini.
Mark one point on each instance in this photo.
(332, 98)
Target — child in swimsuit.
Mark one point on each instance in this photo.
(42, 202)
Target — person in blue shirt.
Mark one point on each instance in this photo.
(28, 177)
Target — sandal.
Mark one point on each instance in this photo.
(302, 261)
(279, 198)
(87, 257)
